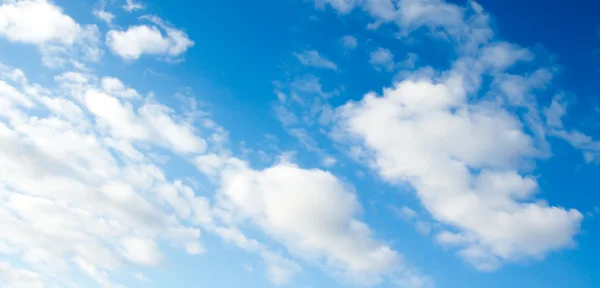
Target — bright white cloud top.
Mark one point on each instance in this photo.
(145, 39)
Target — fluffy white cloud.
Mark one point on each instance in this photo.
(36, 22)
(313, 58)
(150, 122)
(115, 87)
(382, 58)
(465, 161)
(467, 158)
(61, 40)
(310, 212)
(145, 39)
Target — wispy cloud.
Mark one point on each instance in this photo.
(313, 58)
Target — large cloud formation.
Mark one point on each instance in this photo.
(467, 157)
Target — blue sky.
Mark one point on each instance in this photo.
(299, 143)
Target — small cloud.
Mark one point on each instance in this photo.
(349, 42)
(313, 58)
(382, 59)
(104, 16)
(132, 5)
(555, 112)
(144, 39)
(404, 212)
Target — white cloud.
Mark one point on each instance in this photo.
(442, 19)
(343, 6)
(73, 195)
(464, 160)
(16, 277)
(104, 16)
(141, 251)
(349, 42)
(36, 22)
(60, 39)
(151, 122)
(143, 39)
(468, 159)
(132, 5)
(555, 113)
(382, 58)
(579, 140)
(313, 58)
(502, 55)
(100, 276)
(280, 270)
(312, 213)
(114, 86)
(101, 13)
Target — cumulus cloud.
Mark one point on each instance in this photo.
(314, 58)
(468, 159)
(36, 22)
(161, 39)
(312, 213)
(60, 39)
(465, 161)
(382, 58)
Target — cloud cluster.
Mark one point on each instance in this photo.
(464, 161)
(82, 191)
(469, 159)
(78, 188)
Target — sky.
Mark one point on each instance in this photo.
(299, 143)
